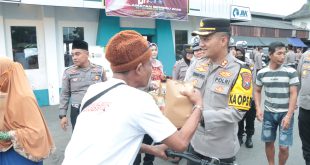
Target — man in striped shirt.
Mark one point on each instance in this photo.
(280, 86)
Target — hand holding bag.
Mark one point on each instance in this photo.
(177, 106)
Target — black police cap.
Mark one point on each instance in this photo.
(212, 25)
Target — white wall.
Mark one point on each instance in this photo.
(75, 17)
(2, 34)
(210, 8)
(137, 22)
(68, 3)
(26, 15)
(21, 11)
(190, 25)
(49, 22)
(49, 25)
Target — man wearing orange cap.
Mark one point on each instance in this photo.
(226, 85)
(115, 115)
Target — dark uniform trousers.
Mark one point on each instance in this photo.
(249, 118)
(304, 132)
(148, 159)
(75, 110)
(228, 161)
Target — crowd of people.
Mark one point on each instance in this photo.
(114, 120)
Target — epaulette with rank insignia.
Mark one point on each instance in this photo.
(243, 64)
(179, 61)
(240, 62)
(95, 65)
(70, 67)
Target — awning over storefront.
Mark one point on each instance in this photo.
(252, 41)
(296, 42)
(267, 40)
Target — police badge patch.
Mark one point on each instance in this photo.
(246, 80)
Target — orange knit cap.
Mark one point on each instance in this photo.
(126, 50)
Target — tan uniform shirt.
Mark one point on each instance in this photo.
(290, 58)
(258, 62)
(217, 137)
(197, 72)
(75, 83)
(179, 70)
(304, 76)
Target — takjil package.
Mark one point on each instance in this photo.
(159, 95)
(177, 106)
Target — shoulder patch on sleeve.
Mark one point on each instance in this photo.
(241, 93)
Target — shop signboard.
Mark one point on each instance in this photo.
(240, 13)
(157, 9)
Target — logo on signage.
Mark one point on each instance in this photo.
(239, 12)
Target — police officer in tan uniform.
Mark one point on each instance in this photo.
(290, 58)
(181, 66)
(76, 79)
(304, 104)
(226, 84)
(250, 115)
(198, 62)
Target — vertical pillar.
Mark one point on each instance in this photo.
(164, 40)
(49, 26)
(2, 36)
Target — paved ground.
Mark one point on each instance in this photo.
(254, 156)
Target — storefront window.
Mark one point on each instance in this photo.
(70, 34)
(180, 40)
(24, 44)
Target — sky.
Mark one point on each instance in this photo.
(280, 7)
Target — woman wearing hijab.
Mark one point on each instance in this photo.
(157, 68)
(24, 136)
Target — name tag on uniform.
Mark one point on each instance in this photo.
(198, 79)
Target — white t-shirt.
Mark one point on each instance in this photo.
(110, 131)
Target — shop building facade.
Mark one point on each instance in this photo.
(39, 33)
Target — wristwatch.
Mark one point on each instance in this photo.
(61, 116)
(198, 107)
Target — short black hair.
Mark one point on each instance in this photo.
(226, 34)
(259, 48)
(80, 44)
(290, 47)
(274, 45)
